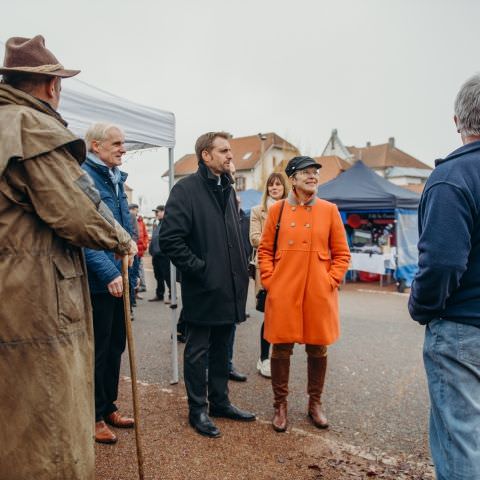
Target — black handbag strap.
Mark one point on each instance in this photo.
(277, 228)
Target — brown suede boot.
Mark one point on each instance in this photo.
(317, 367)
(280, 369)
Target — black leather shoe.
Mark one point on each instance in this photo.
(236, 376)
(203, 425)
(233, 413)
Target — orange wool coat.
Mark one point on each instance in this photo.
(311, 259)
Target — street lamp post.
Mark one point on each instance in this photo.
(262, 138)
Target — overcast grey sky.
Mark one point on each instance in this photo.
(370, 68)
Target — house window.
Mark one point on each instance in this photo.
(240, 183)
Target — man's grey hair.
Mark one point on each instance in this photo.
(98, 132)
(467, 107)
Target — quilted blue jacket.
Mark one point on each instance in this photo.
(102, 266)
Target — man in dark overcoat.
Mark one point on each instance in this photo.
(201, 235)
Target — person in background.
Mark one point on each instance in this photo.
(49, 210)
(133, 271)
(141, 237)
(201, 235)
(160, 261)
(106, 147)
(233, 373)
(275, 189)
(144, 241)
(445, 295)
(301, 279)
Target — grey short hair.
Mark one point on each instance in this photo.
(98, 132)
(467, 107)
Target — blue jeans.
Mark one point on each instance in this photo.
(451, 354)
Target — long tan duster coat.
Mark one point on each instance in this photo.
(311, 259)
(48, 210)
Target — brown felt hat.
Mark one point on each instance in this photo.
(29, 55)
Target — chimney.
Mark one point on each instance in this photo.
(333, 137)
(391, 142)
(369, 144)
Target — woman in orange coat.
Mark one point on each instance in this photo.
(302, 277)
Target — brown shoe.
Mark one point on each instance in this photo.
(117, 420)
(316, 414)
(280, 371)
(103, 434)
(279, 422)
(317, 368)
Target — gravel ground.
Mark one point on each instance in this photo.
(173, 451)
(375, 398)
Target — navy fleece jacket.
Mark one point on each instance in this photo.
(447, 284)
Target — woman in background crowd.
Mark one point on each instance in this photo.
(301, 276)
(275, 189)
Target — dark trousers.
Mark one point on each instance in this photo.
(206, 366)
(161, 270)
(110, 338)
(231, 342)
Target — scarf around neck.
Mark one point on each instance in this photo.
(114, 172)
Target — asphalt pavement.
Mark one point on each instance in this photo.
(375, 395)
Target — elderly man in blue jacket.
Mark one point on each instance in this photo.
(106, 148)
(445, 296)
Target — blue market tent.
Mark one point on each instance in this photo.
(249, 198)
(360, 189)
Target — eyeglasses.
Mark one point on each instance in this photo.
(308, 173)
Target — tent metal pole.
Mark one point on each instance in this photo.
(173, 289)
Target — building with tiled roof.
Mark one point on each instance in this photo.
(332, 166)
(385, 159)
(255, 157)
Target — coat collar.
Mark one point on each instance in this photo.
(467, 148)
(94, 162)
(225, 179)
(10, 95)
(293, 200)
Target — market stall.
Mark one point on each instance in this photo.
(380, 219)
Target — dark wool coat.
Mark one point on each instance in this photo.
(203, 241)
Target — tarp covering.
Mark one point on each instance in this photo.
(82, 104)
(407, 239)
(249, 198)
(361, 188)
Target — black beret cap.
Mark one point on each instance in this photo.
(300, 163)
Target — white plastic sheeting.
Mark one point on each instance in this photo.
(82, 104)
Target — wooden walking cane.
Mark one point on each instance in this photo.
(133, 369)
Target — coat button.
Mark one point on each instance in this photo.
(307, 225)
(294, 208)
(290, 242)
(292, 224)
(309, 208)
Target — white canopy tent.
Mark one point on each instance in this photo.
(144, 127)
(82, 104)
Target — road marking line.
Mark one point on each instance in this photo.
(365, 290)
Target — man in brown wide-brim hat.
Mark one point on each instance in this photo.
(49, 210)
